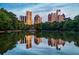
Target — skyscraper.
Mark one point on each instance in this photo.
(49, 17)
(61, 17)
(23, 18)
(29, 18)
(56, 16)
(37, 19)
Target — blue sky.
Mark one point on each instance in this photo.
(43, 9)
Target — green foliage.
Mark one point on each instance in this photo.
(76, 18)
(9, 21)
(9, 40)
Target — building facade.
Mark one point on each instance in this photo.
(37, 19)
(56, 16)
(61, 17)
(27, 19)
(23, 18)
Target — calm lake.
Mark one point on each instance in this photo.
(39, 43)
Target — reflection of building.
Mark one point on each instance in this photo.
(28, 18)
(58, 43)
(28, 39)
(21, 41)
(37, 40)
(56, 17)
(37, 19)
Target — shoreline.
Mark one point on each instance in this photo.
(2, 31)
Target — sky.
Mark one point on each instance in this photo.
(42, 9)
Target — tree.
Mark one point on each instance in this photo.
(69, 25)
(76, 18)
(9, 21)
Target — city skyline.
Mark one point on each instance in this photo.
(42, 9)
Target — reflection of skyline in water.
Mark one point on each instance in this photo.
(40, 43)
(37, 40)
(28, 41)
(58, 43)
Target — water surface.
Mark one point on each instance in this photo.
(39, 43)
